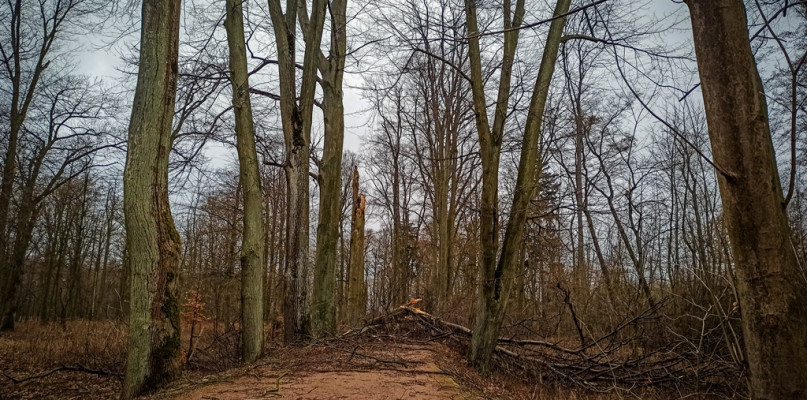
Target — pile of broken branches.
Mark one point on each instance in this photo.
(613, 361)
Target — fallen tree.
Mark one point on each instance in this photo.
(614, 361)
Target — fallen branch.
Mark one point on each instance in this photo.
(379, 360)
(598, 364)
(277, 383)
(76, 368)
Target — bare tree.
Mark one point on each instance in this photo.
(296, 121)
(497, 271)
(29, 46)
(332, 69)
(65, 128)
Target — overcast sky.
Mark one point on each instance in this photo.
(105, 63)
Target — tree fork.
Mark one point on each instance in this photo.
(495, 293)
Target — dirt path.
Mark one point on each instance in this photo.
(396, 371)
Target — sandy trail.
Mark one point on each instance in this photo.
(393, 372)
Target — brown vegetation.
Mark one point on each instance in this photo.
(518, 175)
(406, 349)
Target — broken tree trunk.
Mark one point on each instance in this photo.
(357, 290)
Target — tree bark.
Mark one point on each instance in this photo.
(490, 142)
(495, 293)
(771, 293)
(357, 290)
(152, 242)
(111, 205)
(325, 261)
(296, 121)
(252, 242)
(26, 221)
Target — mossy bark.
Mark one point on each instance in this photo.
(496, 274)
(152, 242)
(325, 261)
(252, 243)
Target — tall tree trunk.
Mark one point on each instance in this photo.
(111, 205)
(296, 120)
(252, 243)
(580, 272)
(152, 241)
(330, 207)
(771, 292)
(493, 302)
(357, 290)
(78, 257)
(398, 279)
(490, 142)
(26, 220)
(21, 98)
(285, 27)
(6, 190)
(443, 227)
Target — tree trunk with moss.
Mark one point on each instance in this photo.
(325, 262)
(152, 242)
(296, 120)
(252, 243)
(496, 274)
(772, 296)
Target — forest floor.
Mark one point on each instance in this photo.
(395, 357)
(380, 370)
(85, 359)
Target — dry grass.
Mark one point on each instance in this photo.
(36, 348)
(98, 347)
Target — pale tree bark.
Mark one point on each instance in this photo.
(357, 290)
(772, 296)
(252, 242)
(152, 242)
(496, 275)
